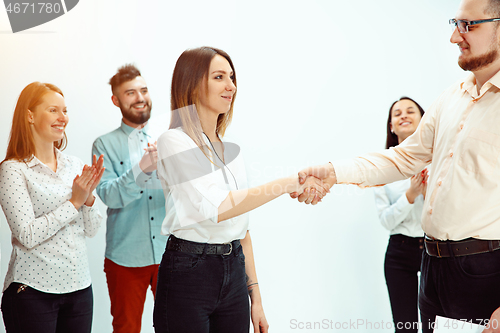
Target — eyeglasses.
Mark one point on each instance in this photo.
(463, 25)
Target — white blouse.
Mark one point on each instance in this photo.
(194, 188)
(396, 213)
(49, 252)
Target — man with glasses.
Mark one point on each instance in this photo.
(460, 134)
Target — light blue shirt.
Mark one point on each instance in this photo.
(135, 200)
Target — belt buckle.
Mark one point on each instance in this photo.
(230, 249)
(437, 247)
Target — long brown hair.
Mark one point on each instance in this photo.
(190, 72)
(21, 143)
(392, 139)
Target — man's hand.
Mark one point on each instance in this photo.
(324, 172)
(494, 323)
(149, 161)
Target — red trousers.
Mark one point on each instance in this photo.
(127, 288)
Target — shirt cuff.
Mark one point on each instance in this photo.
(347, 172)
(140, 176)
(66, 213)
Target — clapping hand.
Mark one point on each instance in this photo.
(97, 164)
(418, 186)
(149, 161)
(85, 184)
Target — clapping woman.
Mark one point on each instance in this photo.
(47, 199)
(400, 208)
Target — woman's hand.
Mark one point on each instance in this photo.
(259, 320)
(97, 164)
(312, 186)
(418, 186)
(82, 186)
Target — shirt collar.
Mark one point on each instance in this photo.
(469, 85)
(34, 161)
(128, 129)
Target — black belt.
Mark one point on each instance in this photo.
(437, 248)
(181, 245)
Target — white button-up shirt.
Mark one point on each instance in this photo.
(48, 234)
(396, 213)
(460, 134)
(195, 186)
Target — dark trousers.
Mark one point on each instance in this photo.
(466, 288)
(202, 293)
(402, 264)
(31, 310)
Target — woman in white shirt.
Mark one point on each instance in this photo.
(47, 199)
(400, 208)
(207, 272)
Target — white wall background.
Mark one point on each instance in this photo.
(316, 79)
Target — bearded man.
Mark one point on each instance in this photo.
(135, 200)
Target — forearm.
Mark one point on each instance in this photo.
(242, 201)
(92, 219)
(117, 192)
(252, 282)
(118, 187)
(31, 231)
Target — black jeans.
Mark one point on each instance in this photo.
(31, 310)
(202, 293)
(464, 288)
(402, 263)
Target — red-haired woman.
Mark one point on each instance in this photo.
(207, 272)
(47, 199)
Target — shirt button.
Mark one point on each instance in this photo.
(430, 211)
(150, 197)
(121, 162)
(461, 126)
(152, 218)
(451, 154)
(142, 192)
(440, 182)
(153, 237)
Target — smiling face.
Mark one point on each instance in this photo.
(49, 119)
(132, 97)
(405, 117)
(480, 46)
(216, 96)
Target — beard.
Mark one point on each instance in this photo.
(476, 63)
(137, 118)
(483, 60)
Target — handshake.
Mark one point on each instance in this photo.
(314, 183)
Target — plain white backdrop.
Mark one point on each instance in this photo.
(315, 81)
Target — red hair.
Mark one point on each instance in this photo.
(21, 143)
